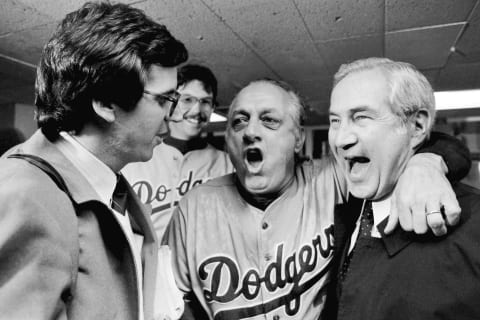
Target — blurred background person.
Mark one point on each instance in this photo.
(184, 159)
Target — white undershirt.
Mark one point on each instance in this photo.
(103, 181)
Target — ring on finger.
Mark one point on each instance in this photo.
(433, 212)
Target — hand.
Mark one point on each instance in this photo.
(421, 195)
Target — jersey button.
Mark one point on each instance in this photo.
(264, 225)
(276, 317)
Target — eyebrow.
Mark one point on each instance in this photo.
(243, 112)
(209, 97)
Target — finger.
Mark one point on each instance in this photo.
(451, 209)
(435, 219)
(392, 219)
(419, 220)
(436, 223)
(404, 215)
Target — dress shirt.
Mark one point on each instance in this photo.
(381, 210)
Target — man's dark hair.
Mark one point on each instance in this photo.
(101, 52)
(203, 74)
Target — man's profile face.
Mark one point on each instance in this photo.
(262, 138)
(369, 141)
(138, 131)
(193, 111)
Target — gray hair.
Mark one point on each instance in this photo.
(410, 91)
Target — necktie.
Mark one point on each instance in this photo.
(365, 230)
(366, 221)
(119, 197)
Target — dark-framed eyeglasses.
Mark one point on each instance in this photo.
(165, 100)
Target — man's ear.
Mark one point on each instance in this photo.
(105, 112)
(299, 140)
(420, 123)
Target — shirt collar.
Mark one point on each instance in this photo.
(97, 173)
(185, 146)
(398, 239)
(381, 211)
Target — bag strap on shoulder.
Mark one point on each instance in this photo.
(45, 167)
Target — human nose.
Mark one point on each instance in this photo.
(251, 132)
(195, 105)
(344, 136)
(168, 114)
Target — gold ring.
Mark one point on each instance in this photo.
(432, 212)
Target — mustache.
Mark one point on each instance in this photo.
(201, 116)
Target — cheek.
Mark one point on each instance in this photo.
(231, 143)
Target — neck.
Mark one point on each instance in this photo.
(102, 146)
(262, 201)
(185, 145)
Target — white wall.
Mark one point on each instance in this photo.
(23, 119)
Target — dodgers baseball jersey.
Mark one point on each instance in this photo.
(245, 263)
(169, 175)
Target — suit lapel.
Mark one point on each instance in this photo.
(397, 240)
(139, 214)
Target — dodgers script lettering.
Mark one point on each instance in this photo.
(227, 284)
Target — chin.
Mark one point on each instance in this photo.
(361, 191)
(253, 185)
(144, 156)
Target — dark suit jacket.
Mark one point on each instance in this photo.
(407, 276)
(56, 263)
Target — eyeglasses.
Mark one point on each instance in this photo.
(189, 101)
(165, 100)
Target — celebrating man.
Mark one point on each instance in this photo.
(381, 112)
(259, 242)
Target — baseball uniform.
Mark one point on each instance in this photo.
(174, 169)
(245, 263)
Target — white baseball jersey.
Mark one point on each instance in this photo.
(163, 180)
(245, 263)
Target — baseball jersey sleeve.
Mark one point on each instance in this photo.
(175, 238)
(330, 164)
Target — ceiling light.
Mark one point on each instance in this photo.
(460, 99)
(215, 117)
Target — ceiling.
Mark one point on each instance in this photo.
(302, 42)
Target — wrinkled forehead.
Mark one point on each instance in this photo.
(260, 96)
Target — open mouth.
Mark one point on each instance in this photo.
(358, 167)
(354, 161)
(254, 157)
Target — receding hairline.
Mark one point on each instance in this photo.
(291, 98)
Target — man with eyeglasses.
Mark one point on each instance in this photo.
(76, 242)
(184, 159)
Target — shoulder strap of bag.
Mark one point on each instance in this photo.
(45, 167)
